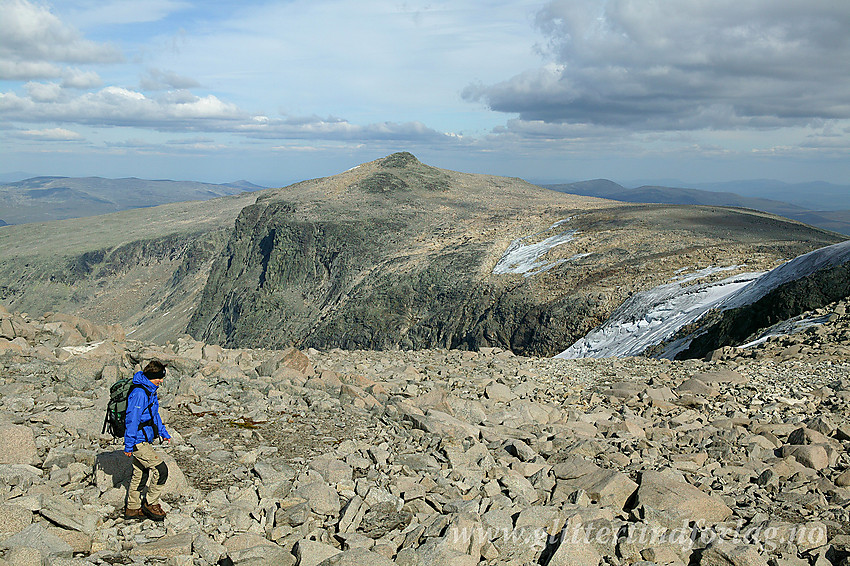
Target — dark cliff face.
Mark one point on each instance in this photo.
(332, 284)
(397, 254)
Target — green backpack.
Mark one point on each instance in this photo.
(116, 409)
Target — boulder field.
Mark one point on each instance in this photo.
(431, 457)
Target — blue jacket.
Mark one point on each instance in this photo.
(143, 423)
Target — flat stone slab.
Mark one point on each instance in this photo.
(606, 487)
(680, 500)
(166, 547)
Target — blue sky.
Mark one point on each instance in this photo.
(273, 92)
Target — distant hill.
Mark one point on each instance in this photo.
(41, 199)
(816, 195)
(834, 220)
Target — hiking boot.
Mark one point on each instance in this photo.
(133, 513)
(153, 512)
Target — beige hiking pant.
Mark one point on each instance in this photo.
(146, 462)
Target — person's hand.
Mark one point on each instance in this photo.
(128, 454)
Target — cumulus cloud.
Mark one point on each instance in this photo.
(181, 110)
(33, 41)
(116, 106)
(74, 78)
(43, 92)
(23, 70)
(684, 65)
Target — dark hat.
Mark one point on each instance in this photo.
(154, 370)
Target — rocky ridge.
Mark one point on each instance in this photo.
(436, 457)
(396, 254)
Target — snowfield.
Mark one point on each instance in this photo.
(651, 317)
(525, 258)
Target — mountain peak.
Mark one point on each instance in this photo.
(400, 159)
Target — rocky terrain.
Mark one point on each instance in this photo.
(143, 268)
(432, 457)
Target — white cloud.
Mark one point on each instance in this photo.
(32, 39)
(156, 79)
(184, 111)
(43, 92)
(75, 78)
(52, 134)
(313, 127)
(116, 106)
(23, 70)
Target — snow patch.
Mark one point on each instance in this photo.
(650, 317)
(786, 327)
(78, 350)
(797, 268)
(525, 258)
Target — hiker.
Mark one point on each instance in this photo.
(143, 426)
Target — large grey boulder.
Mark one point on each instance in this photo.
(262, 555)
(443, 424)
(725, 553)
(605, 487)
(332, 469)
(814, 456)
(89, 421)
(165, 547)
(69, 515)
(574, 549)
(432, 553)
(518, 487)
(311, 552)
(82, 374)
(322, 498)
(681, 501)
(24, 556)
(14, 520)
(37, 536)
(208, 549)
